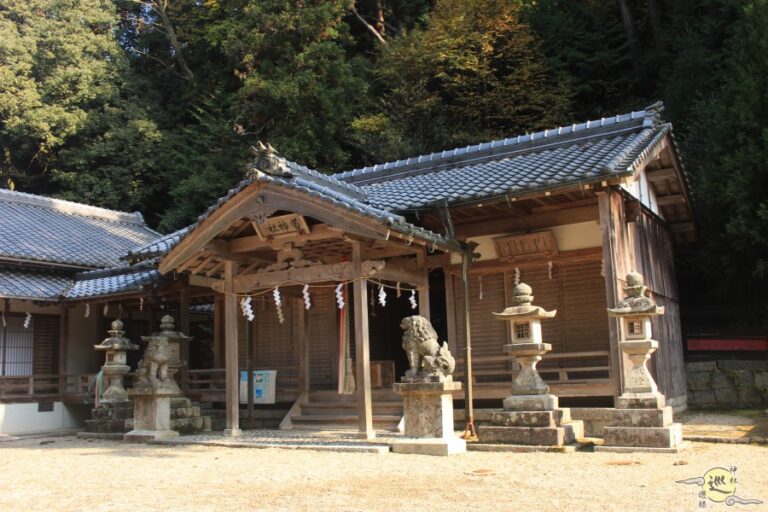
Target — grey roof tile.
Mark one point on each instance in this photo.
(542, 160)
(117, 281)
(41, 229)
(18, 283)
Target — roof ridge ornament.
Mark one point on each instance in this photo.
(267, 161)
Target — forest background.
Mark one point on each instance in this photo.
(151, 105)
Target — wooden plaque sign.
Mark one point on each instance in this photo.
(282, 226)
(530, 245)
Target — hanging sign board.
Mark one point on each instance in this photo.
(282, 226)
(527, 246)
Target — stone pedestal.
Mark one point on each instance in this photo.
(428, 412)
(151, 415)
(531, 415)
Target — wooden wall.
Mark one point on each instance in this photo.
(576, 290)
(644, 244)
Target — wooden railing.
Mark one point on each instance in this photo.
(569, 373)
(210, 385)
(30, 387)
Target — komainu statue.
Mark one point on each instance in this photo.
(152, 371)
(430, 362)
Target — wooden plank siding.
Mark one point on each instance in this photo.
(645, 244)
(46, 345)
(576, 290)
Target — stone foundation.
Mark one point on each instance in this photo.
(727, 384)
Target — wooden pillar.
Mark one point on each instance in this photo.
(611, 291)
(301, 319)
(184, 327)
(450, 312)
(63, 335)
(421, 260)
(230, 352)
(249, 368)
(218, 313)
(362, 347)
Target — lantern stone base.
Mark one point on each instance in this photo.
(641, 401)
(638, 428)
(428, 414)
(532, 420)
(151, 415)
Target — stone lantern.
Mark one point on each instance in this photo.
(527, 347)
(531, 415)
(634, 313)
(115, 366)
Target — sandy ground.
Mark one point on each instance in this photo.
(64, 473)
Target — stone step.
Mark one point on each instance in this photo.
(184, 412)
(117, 413)
(534, 436)
(180, 401)
(647, 437)
(106, 426)
(530, 418)
(377, 395)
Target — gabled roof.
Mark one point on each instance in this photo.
(569, 155)
(38, 229)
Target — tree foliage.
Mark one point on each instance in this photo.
(151, 105)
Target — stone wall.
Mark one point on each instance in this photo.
(727, 384)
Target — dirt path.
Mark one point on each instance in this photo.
(69, 474)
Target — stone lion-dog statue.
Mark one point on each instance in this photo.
(152, 371)
(430, 362)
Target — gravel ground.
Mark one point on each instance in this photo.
(64, 473)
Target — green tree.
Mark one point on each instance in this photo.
(71, 118)
(474, 73)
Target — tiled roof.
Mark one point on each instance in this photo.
(103, 283)
(53, 285)
(313, 184)
(17, 283)
(41, 229)
(157, 247)
(581, 153)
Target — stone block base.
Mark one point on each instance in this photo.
(534, 436)
(426, 446)
(142, 436)
(531, 402)
(670, 436)
(597, 418)
(530, 418)
(643, 449)
(641, 401)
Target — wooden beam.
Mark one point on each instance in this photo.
(450, 312)
(255, 243)
(574, 203)
(534, 221)
(654, 175)
(343, 271)
(231, 363)
(401, 274)
(421, 262)
(362, 347)
(611, 290)
(670, 199)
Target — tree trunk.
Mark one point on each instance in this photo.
(161, 8)
(655, 20)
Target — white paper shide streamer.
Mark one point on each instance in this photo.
(399, 292)
(517, 275)
(549, 269)
(480, 284)
(278, 304)
(412, 299)
(87, 310)
(27, 320)
(382, 295)
(307, 298)
(247, 308)
(105, 312)
(340, 296)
